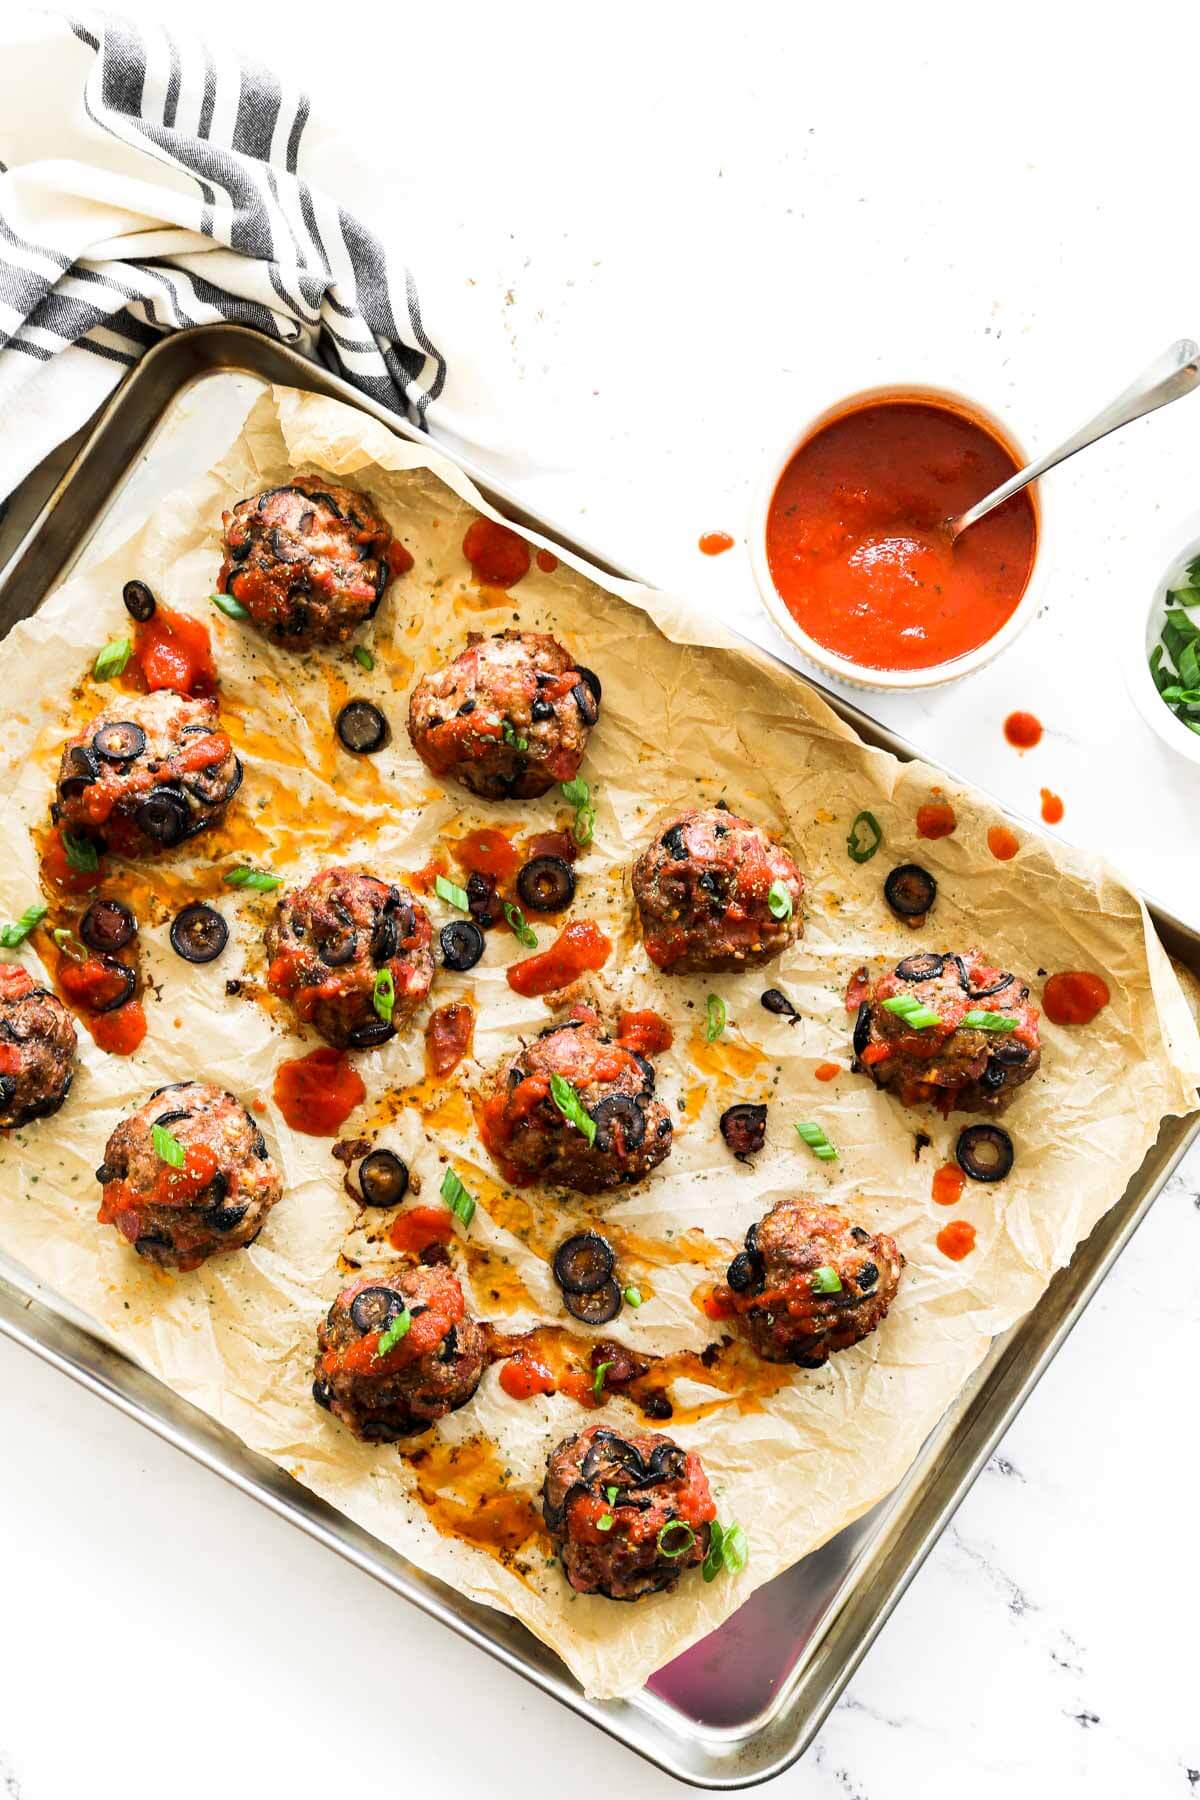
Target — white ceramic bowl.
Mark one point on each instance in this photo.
(1143, 636)
(840, 667)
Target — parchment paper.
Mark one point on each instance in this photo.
(687, 715)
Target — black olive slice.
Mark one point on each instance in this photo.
(994, 1076)
(119, 741)
(744, 1272)
(667, 1463)
(585, 700)
(370, 1033)
(610, 1454)
(83, 769)
(590, 679)
(866, 1277)
(107, 926)
(339, 948)
(744, 1128)
(776, 1001)
(198, 933)
(583, 1263)
(140, 603)
(546, 884)
(361, 728)
(382, 1178)
(164, 816)
(910, 891)
(984, 1152)
(540, 711)
(672, 842)
(224, 1218)
(485, 903)
(597, 1308)
(128, 984)
(462, 944)
(448, 1348)
(385, 938)
(376, 1307)
(922, 967)
(986, 993)
(213, 787)
(647, 1068)
(619, 1113)
(1009, 1052)
(862, 1029)
(321, 1392)
(285, 552)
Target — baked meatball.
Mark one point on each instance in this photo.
(640, 1539)
(532, 1139)
(716, 893)
(946, 1062)
(331, 945)
(308, 562)
(431, 1370)
(808, 1283)
(508, 718)
(148, 774)
(37, 1049)
(218, 1199)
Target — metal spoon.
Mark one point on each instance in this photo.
(1171, 375)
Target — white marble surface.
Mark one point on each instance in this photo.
(668, 233)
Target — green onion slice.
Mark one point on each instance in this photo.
(633, 1297)
(675, 1538)
(167, 1147)
(728, 1549)
(384, 997)
(577, 793)
(826, 1280)
(779, 901)
(256, 879)
(81, 852)
(512, 737)
(112, 659)
(396, 1329)
(714, 1022)
(816, 1140)
(363, 658)
(978, 1020)
(571, 1107)
(598, 1378)
(460, 1202)
(866, 835)
(525, 932)
(916, 1015)
(19, 929)
(605, 1522)
(451, 893)
(610, 1494)
(233, 609)
(68, 943)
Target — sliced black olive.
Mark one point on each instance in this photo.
(213, 787)
(744, 1272)
(597, 1308)
(382, 1178)
(647, 1068)
(385, 938)
(128, 984)
(119, 741)
(672, 842)
(711, 887)
(285, 552)
(923, 967)
(464, 711)
(910, 891)
(82, 770)
(107, 926)
(376, 1307)
(448, 1348)
(1009, 1052)
(198, 933)
(485, 903)
(667, 1463)
(164, 816)
(140, 603)
(8, 1088)
(370, 1033)
(320, 495)
(862, 1029)
(239, 552)
(462, 944)
(321, 1392)
(994, 1076)
(583, 1263)
(546, 884)
(540, 711)
(867, 1276)
(776, 1001)
(590, 679)
(744, 1128)
(224, 1218)
(339, 948)
(619, 1113)
(361, 727)
(609, 1453)
(984, 1152)
(656, 1404)
(986, 993)
(585, 700)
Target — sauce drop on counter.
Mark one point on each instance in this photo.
(317, 1093)
(448, 1037)
(713, 543)
(936, 819)
(1023, 730)
(488, 851)
(399, 557)
(578, 948)
(956, 1240)
(827, 1071)
(1002, 842)
(523, 1376)
(1052, 807)
(57, 870)
(948, 1184)
(546, 561)
(173, 650)
(498, 556)
(419, 1227)
(647, 1033)
(118, 1032)
(1074, 998)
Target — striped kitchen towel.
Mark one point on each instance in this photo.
(151, 183)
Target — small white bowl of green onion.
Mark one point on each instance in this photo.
(1165, 681)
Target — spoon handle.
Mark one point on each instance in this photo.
(1171, 375)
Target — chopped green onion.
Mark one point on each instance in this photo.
(978, 1020)
(167, 1147)
(525, 933)
(604, 1522)
(571, 1107)
(81, 852)
(1193, 571)
(779, 901)
(512, 737)
(397, 1329)
(457, 1198)
(68, 943)
(714, 1019)
(816, 1140)
(19, 930)
(826, 1280)
(598, 1378)
(363, 658)
(384, 997)
(633, 1297)
(610, 1494)
(112, 659)
(916, 1015)
(233, 609)
(866, 835)
(682, 1538)
(578, 794)
(728, 1549)
(451, 893)
(256, 879)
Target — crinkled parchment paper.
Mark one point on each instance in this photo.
(687, 715)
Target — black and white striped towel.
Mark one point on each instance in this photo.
(150, 183)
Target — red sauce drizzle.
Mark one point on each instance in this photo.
(498, 557)
(1023, 730)
(546, 561)
(523, 1376)
(936, 819)
(317, 1093)
(448, 1038)
(1074, 998)
(419, 1227)
(488, 851)
(1052, 807)
(399, 557)
(173, 650)
(578, 947)
(714, 542)
(1002, 842)
(956, 1240)
(948, 1184)
(646, 1032)
(827, 1071)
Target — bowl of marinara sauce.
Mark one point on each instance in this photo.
(851, 555)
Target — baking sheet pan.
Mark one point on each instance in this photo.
(738, 1707)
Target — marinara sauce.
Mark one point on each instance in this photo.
(855, 541)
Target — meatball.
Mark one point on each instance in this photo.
(432, 1369)
(533, 1139)
(808, 1283)
(716, 893)
(508, 718)
(639, 1538)
(148, 774)
(174, 1213)
(946, 1061)
(332, 945)
(37, 1049)
(308, 563)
